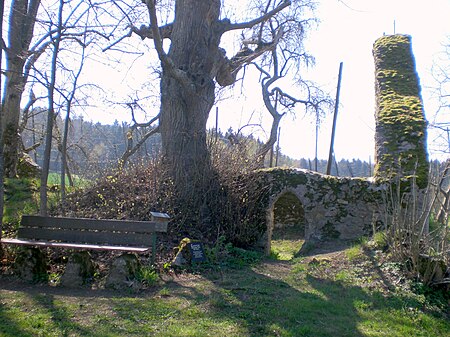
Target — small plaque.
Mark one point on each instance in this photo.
(197, 251)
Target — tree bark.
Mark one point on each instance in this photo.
(190, 69)
(185, 106)
(21, 26)
(2, 191)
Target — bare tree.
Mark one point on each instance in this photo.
(30, 34)
(56, 39)
(285, 60)
(131, 145)
(279, 102)
(2, 191)
(440, 127)
(440, 124)
(69, 24)
(69, 99)
(195, 63)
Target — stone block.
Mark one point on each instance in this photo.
(79, 270)
(123, 272)
(31, 264)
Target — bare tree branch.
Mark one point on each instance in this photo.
(132, 149)
(265, 17)
(144, 32)
(166, 61)
(229, 69)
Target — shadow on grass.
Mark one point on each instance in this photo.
(310, 248)
(8, 324)
(37, 309)
(264, 305)
(37, 312)
(267, 300)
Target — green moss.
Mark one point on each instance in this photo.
(20, 198)
(287, 177)
(400, 115)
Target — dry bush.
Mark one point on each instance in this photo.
(236, 204)
(228, 206)
(415, 236)
(121, 194)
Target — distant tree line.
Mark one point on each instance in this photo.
(342, 168)
(92, 147)
(95, 147)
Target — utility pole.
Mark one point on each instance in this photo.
(336, 106)
(317, 140)
(278, 146)
(448, 139)
(217, 122)
(2, 191)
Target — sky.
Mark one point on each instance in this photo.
(346, 33)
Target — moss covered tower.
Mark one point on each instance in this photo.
(400, 135)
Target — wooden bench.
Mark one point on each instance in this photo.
(91, 234)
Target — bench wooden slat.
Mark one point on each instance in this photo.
(91, 234)
(111, 238)
(75, 245)
(94, 224)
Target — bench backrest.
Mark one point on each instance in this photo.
(90, 231)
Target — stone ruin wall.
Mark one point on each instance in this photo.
(334, 207)
(349, 208)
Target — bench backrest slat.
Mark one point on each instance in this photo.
(85, 236)
(93, 224)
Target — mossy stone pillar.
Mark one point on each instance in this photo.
(400, 135)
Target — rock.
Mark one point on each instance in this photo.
(432, 268)
(79, 270)
(179, 260)
(183, 256)
(123, 272)
(27, 168)
(31, 264)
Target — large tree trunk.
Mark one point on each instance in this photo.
(2, 191)
(21, 26)
(185, 108)
(189, 71)
(14, 88)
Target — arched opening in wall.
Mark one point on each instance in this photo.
(288, 226)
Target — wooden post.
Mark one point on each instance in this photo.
(278, 146)
(336, 106)
(162, 219)
(448, 138)
(271, 157)
(217, 122)
(317, 141)
(2, 193)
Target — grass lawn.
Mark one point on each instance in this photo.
(341, 293)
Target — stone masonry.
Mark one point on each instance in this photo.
(349, 208)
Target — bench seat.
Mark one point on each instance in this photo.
(42, 243)
(90, 234)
